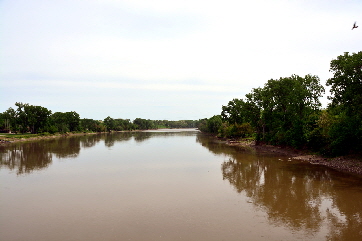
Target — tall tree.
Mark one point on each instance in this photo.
(66, 121)
(346, 83)
(233, 111)
(109, 123)
(37, 117)
(10, 116)
(73, 120)
(214, 123)
(287, 105)
(346, 105)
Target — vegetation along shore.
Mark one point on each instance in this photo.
(287, 113)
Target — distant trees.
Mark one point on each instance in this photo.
(143, 124)
(118, 124)
(36, 119)
(65, 121)
(176, 124)
(27, 118)
(92, 125)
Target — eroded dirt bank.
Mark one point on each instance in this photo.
(351, 163)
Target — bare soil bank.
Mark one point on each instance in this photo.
(350, 164)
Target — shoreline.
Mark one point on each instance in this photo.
(5, 140)
(351, 164)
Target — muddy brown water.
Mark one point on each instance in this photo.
(169, 185)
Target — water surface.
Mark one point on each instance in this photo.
(169, 185)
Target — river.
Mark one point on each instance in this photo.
(169, 185)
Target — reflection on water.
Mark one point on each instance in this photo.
(159, 185)
(25, 158)
(30, 156)
(293, 194)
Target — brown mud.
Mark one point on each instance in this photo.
(349, 164)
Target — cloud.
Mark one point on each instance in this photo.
(184, 47)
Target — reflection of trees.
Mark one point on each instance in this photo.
(65, 147)
(111, 138)
(90, 140)
(287, 199)
(145, 135)
(299, 196)
(219, 147)
(142, 136)
(30, 156)
(25, 158)
(349, 227)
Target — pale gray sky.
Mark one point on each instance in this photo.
(164, 59)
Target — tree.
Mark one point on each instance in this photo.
(346, 83)
(10, 116)
(58, 120)
(233, 112)
(287, 104)
(20, 117)
(281, 112)
(109, 123)
(92, 125)
(28, 118)
(202, 125)
(66, 121)
(346, 105)
(73, 120)
(37, 117)
(143, 124)
(214, 123)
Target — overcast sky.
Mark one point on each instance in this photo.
(164, 59)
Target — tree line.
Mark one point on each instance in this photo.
(287, 111)
(26, 118)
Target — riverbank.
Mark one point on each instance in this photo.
(349, 164)
(13, 138)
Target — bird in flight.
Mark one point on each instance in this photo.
(354, 26)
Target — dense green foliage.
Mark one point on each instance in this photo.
(280, 113)
(36, 119)
(26, 118)
(287, 111)
(345, 132)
